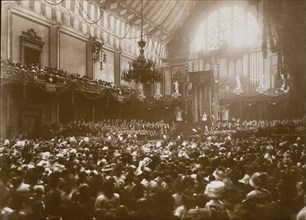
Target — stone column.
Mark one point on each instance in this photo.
(200, 95)
(57, 110)
(54, 46)
(195, 102)
(4, 106)
(93, 112)
(117, 68)
(89, 60)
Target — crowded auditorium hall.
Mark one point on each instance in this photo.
(152, 110)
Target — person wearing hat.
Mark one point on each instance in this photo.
(232, 200)
(214, 191)
(259, 195)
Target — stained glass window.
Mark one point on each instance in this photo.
(232, 25)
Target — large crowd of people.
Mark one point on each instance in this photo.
(260, 127)
(53, 75)
(137, 128)
(278, 126)
(156, 130)
(114, 176)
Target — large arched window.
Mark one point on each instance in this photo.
(233, 26)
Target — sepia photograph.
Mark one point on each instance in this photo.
(153, 110)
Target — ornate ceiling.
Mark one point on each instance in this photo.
(162, 18)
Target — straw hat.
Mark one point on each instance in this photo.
(214, 189)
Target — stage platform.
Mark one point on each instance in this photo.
(187, 129)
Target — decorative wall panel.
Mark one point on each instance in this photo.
(21, 23)
(72, 54)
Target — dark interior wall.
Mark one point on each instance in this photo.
(292, 40)
(262, 110)
(25, 108)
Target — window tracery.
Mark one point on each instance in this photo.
(230, 26)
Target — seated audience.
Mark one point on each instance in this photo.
(109, 174)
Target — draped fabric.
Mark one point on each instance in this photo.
(257, 107)
(55, 85)
(77, 99)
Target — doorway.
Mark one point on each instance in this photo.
(30, 122)
(31, 56)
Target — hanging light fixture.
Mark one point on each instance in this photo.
(98, 52)
(102, 59)
(142, 70)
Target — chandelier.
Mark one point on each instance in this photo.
(142, 70)
(98, 52)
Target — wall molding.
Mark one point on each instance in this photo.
(128, 56)
(32, 16)
(72, 34)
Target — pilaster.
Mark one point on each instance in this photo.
(117, 68)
